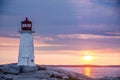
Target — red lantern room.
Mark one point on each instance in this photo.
(26, 25)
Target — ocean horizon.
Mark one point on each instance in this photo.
(96, 72)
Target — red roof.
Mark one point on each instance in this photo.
(26, 21)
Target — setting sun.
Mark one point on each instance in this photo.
(88, 58)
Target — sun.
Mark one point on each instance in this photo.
(87, 58)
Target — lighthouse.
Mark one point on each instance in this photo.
(26, 46)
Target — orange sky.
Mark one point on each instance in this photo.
(9, 53)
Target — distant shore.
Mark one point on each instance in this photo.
(84, 65)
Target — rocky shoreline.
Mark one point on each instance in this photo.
(14, 72)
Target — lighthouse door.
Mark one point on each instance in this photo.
(25, 60)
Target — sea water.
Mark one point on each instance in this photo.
(96, 72)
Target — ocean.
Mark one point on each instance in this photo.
(96, 72)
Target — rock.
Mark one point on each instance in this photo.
(1, 72)
(68, 75)
(8, 77)
(25, 78)
(10, 69)
(38, 73)
(2, 79)
(41, 67)
(25, 69)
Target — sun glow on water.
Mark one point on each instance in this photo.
(87, 71)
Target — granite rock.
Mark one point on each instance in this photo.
(39, 67)
(10, 69)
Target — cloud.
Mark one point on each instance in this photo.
(114, 33)
(13, 41)
(95, 11)
(8, 42)
(98, 29)
(47, 38)
(97, 26)
(65, 17)
(108, 3)
(83, 2)
(86, 36)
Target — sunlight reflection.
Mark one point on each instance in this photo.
(87, 71)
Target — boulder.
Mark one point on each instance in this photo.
(8, 77)
(10, 69)
(1, 72)
(2, 79)
(55, 74)
(41, 67)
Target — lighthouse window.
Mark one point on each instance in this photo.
(32, 60)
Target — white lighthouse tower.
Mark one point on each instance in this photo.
(26, 47)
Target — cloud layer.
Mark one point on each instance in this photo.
(63, 26)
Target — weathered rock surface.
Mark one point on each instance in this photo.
(14, 72)
(10, 69)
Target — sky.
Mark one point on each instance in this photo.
(65, 31)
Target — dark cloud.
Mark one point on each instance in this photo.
(54, 17)
(47, 16)
(109, 3)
